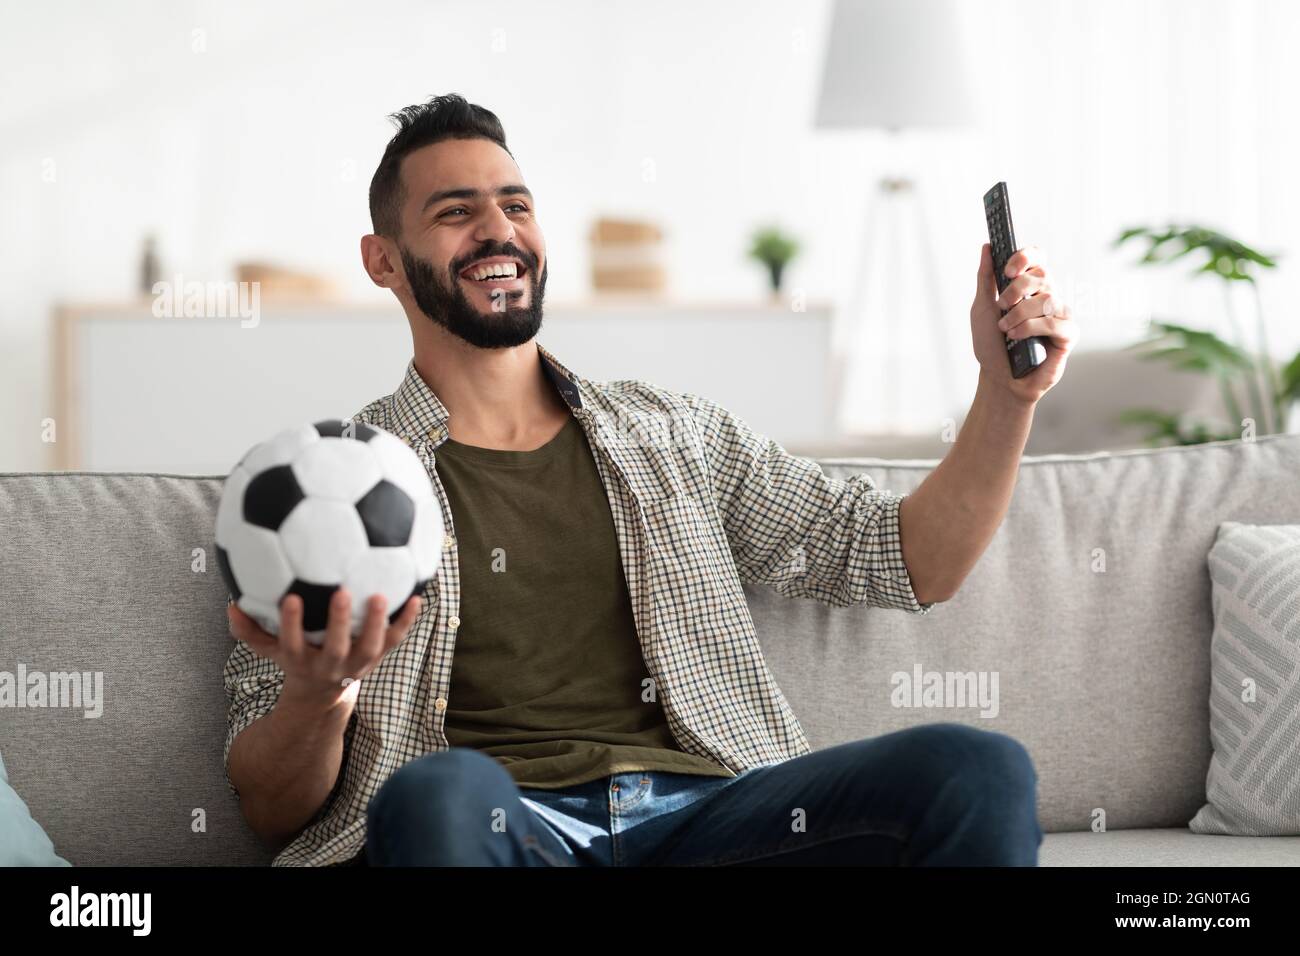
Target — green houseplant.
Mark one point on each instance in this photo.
(1234, 365)
(774, 249)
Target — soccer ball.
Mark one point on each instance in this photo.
(323, 506)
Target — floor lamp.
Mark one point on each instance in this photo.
(894, 65)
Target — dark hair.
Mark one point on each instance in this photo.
(443, 117)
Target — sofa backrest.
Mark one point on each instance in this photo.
(1091, 604)
(1102, 674)
(98, 575)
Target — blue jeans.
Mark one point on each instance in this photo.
(941, 794)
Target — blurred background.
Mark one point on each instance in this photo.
(775, 204)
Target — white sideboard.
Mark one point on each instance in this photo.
(137, 392)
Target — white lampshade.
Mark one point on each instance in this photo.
(895, 64)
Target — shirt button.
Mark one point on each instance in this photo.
(454, 621)
(434, 433)
(406, 441)
(440, 704)
(448, 541)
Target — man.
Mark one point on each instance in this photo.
(581, 684)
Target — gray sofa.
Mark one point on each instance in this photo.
(1102, 674)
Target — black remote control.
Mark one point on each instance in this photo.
(1025, 354)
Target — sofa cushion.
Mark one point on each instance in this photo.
(1173, 846)
(1091, 605)
(116, 575)
(1253, 786)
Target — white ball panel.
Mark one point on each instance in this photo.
(386, 571)
(280, 449)
(265, 613)
(426, 538)
(260, 567)
(341, 469)
(401, 466)
(322, 538)
(230, 511)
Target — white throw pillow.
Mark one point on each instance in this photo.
(22, 841)
(1253, 787)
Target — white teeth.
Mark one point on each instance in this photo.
(502, 269)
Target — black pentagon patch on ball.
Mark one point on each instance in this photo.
(401, 605)
(315, 603)
(388, 514)
(223, 562)
(333, 428)
(270, 497)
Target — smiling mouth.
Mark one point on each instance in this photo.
(522, 273)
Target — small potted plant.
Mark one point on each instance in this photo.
(774, 249)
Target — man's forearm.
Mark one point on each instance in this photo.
(285, 764)
(952, 516)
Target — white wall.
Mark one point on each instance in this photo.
(1105, 114)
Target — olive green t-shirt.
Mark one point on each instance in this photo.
(547, 672)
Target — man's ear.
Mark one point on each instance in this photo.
(380, 260)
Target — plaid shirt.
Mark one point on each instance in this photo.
(701, 504)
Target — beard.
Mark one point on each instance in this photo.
(502, 326)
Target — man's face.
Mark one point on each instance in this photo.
(465, 203)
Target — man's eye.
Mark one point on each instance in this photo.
(514, 205)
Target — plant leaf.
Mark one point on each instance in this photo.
(1291, 380)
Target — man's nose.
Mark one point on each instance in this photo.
(495, 225)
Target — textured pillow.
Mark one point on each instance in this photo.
(1253, 787)
(22, 841)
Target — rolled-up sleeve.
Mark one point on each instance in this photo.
(252, 686)
(794, 529)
